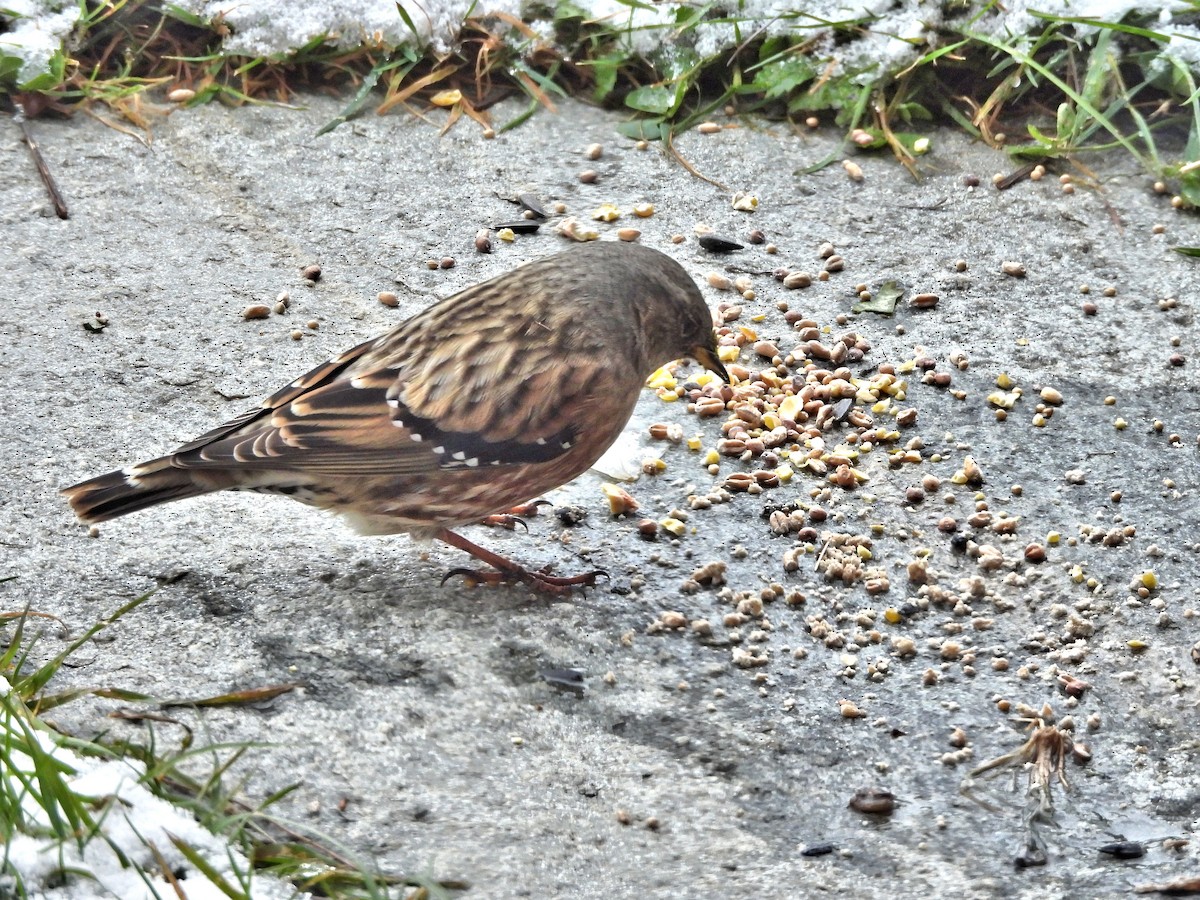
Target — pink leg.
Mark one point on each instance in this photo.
(507, 571)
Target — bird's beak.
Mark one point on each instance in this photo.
(707, 357)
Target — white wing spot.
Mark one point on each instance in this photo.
(415, 437)
(474, 461)
(439, 449)
(566, 445)
(541, 442)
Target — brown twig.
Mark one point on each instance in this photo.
(39, 162)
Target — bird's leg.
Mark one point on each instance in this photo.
(507, 571)
(513, 517)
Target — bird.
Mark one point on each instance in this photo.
(478, 403)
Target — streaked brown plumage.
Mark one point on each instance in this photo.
(484, 400)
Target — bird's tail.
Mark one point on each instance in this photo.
(128, 490)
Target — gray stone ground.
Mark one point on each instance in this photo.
(422, 708)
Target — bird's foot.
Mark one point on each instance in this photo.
(513, 517)
(539, 581)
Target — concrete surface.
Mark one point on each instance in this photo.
(423, 737)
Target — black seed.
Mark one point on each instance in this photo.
(715, 244)
(530, 202)
(1032, 857)
(818, 850)
(1124, 849)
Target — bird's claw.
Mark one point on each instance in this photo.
(505, 520)
(510, 519)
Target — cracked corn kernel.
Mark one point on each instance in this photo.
(620, 501)
(661, 377)
(673, 526)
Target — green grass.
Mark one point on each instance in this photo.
(1070, 88)
(37, 797)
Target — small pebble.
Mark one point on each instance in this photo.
(446, 262)
(311, 273)
(873, 800)
(594, 151)
(256, 311)
(588, 176)
(1015, 269)
(181, 95)
(708, 128)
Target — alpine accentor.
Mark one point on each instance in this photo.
(482, 401)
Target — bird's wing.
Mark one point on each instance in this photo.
(375, 410)
(322, 374)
